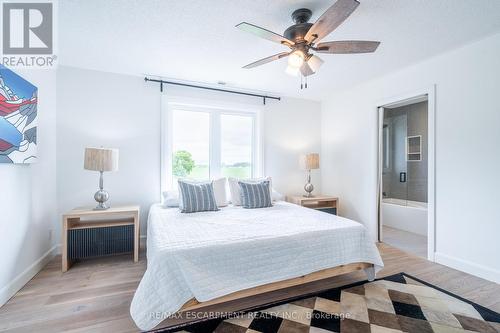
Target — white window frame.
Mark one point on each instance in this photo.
(215, 109)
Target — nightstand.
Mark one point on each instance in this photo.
(88, 233)
(323, 203)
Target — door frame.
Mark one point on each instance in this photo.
(430, 92)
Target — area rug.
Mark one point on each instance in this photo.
(398, 303)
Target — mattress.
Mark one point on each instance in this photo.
(211, 254)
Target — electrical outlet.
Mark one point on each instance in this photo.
(50, 234)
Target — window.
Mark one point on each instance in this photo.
(204, 142)
(236, 145)
(190, 144)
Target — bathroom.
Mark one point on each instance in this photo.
(404, 180)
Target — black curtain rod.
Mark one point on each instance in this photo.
(162, 82)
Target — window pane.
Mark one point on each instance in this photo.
(236, 146)
(190, 145)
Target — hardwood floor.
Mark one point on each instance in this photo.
(405, 241)
(95, 296)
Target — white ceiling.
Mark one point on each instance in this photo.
(196, 39)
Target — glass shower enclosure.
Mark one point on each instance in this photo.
(403, 175)
(404, 154)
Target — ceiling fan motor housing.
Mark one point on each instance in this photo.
(299, 30)
(301, 15)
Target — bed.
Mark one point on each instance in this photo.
(209, 257)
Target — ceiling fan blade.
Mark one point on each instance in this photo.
(331, 19)
(266, 60)
(347, 47)
(264, 33)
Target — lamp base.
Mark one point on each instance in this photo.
(101, 206)
(308, 188)
(101, 197)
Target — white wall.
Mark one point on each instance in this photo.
(111, 110)
(291, 127)
(467, 151)
(97, 108)
(28, 207)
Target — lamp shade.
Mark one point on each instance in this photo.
(101, 159)
(309, 161)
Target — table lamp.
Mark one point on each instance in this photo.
(308, 162)
(101, 159)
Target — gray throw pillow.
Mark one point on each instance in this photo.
(197, 197)
(255, 195)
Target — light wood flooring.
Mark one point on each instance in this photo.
(406, 241)
(95, 296)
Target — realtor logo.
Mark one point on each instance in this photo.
(27, 28)
(28, 33)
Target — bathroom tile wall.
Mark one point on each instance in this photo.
(417, 170)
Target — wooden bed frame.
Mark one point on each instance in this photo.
(193, 304)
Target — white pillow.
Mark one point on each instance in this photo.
(276, 196)
(234, 187)
(219, 190)
(170, 199)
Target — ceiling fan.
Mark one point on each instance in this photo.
(303, 38)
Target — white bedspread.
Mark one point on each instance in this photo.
(211, 254)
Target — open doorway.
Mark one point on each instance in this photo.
(405, 162)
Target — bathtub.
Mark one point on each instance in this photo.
(405, 215)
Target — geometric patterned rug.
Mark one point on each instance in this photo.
(394, 304)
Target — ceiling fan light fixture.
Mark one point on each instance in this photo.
(296, 59)
(315, 63)
(292, 71)
(303, 37)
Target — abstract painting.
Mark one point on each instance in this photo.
(18, 118)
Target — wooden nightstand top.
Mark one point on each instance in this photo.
(300, 198)
(316, 202)
(114, 210)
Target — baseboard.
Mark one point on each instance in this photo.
(19, 281)
(481, 271)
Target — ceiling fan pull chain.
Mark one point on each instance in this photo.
(306, 82)
(301, 86)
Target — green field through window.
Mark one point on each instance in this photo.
(200, 172)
